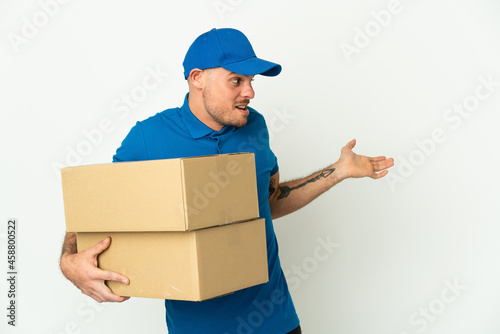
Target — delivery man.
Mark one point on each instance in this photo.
(216, 118)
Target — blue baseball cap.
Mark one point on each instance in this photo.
(227, 48)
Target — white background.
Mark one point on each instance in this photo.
(435, 220)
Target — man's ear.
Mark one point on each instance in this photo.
(197, 78)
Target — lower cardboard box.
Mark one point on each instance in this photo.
(193, 265)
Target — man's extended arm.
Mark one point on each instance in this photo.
(287, 197)
(81, 269)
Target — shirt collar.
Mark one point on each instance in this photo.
(196, 128)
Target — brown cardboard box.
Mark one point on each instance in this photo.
(161, 195)
(172, 224)
(194, 265)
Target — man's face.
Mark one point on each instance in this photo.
(226, 96)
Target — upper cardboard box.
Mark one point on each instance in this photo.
(161, 195)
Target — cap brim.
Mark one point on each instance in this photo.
(254, 66)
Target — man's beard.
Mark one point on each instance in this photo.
(217, 112)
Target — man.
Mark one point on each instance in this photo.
(215, 118)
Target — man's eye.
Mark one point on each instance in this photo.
(236, 80)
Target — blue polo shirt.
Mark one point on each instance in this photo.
(265, 308)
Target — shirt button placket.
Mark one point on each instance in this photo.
(219, 146)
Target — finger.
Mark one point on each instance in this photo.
(104, 294)
(99, 247)
(378, 166)
(94, 294)
(109, 296)
(389, 161)
(112, 276)
(99, 291)
(379, 175)
(351, 144)
(375, 159)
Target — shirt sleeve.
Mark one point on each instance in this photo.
(276, 167)
(133, 147)
(271, 157)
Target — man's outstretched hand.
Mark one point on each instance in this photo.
(355, 165)
(81, 269)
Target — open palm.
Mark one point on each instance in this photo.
(362, 166)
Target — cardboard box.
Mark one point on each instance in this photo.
(161, 195)
(172, 224)
(194, 265)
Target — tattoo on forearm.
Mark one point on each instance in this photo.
(285, 191)
(272, 187)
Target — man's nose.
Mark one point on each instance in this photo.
(248, 92)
